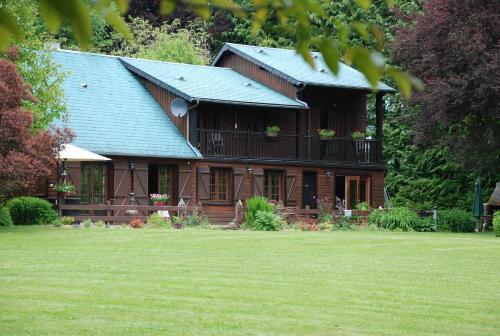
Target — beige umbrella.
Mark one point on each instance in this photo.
(74, 153)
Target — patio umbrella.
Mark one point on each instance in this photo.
(74, 153)
(477, 205)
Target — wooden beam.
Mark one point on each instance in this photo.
(379, 116)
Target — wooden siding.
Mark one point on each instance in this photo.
(247, 68)
(164, 98)
(224, 213)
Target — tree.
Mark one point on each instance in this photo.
(294, 16)
(26, 157)
(169, 42)
(453, 47)
(35, 64)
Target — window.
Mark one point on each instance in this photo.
(165, 179)
(219, 184)
(273, 185)
(92, 185)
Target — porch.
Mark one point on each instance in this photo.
(257, 145)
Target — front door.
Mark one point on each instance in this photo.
(92, 183)
(357, 190)
(309, 190)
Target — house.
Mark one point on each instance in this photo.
(218, 152)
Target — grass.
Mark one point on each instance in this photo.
(56, 281)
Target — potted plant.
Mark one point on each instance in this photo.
(65, 188)
(159, 199)
(272, 131)
(326, 134)
(358, 136)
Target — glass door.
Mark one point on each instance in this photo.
(357, 190)
(92, 183)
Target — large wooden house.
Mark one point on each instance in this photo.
(218, 152)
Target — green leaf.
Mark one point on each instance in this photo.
(117, 22)
(75, 12)
(363, 61)
(365, 4)
(361, 30)
(331, 55)
(259, 19)
(402, 81)
(8, 27)
(167, 7)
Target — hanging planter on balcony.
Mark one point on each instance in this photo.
(326, 134)
(272, 131)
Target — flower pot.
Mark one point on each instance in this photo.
(325, 137)
(159, 203)
(65, 193)
(271, 134)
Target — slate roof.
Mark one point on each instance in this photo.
(115, 114)
(287, 64)
(209, 84)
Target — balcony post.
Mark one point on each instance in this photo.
(193, 131)
(301, 122)
(379, 115)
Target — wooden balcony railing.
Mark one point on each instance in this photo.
(256, 145)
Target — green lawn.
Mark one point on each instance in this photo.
(56, 281)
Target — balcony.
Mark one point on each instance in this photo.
(256, 145)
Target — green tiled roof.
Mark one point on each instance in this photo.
(287, 64)
(115, 114)
(211, 84)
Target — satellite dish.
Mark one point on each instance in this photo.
(179, 107)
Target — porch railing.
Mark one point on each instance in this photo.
(256, 145)
(119, 213)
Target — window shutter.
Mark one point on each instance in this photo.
(73, 170)
(258, 182)
(121, 183)
(185, 191)
(141, 183)
(291, 189)
(203, 183)
(239, 184)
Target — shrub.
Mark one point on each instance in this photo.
(87, 223)
(325, 218)
(57, 222)
(5, 219)
(177, 222)
(456, 220)
(496, 223)
(395, 219)
(136, 223)
(157, 221)
(266, 221)
(100, 224)
(363, 206)
(28, 210)
(343, 223)
(325, 226)
(427, 224)
(254, 204)
(196, 220)
(67, 220)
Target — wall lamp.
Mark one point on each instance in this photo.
(131, 165)
(250, 170)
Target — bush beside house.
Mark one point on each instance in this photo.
(496, 223)
(28, 210)
(5, 219)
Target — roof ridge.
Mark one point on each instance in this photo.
(274, 48)
(135, 58)
(175, 63)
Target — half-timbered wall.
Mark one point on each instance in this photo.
(261, 75)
